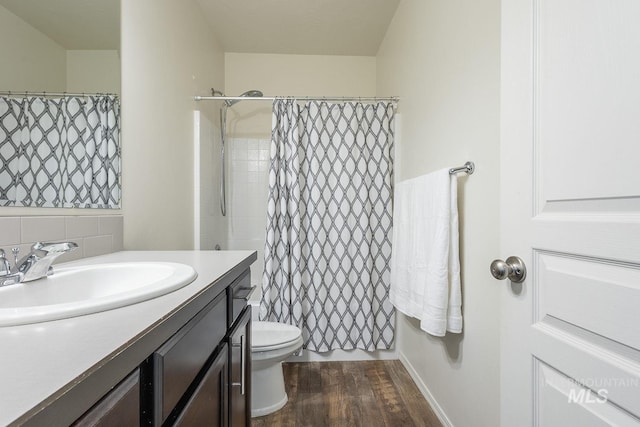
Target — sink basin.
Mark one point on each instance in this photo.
(75, 291)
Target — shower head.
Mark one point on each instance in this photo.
(252, 93)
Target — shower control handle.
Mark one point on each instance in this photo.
(513, 268)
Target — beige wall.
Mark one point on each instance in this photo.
(169, 54)
(282, 75)
(30, 60)
(93, 71)
(442, 59)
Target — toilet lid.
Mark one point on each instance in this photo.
(271, 335)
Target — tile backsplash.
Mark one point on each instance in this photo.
(95, 235)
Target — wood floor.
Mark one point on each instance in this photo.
(370, 393)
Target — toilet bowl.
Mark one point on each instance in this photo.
(271, 343)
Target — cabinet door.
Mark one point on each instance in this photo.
(208, 404)
(178, 363)
(120, 407)
(240, 371)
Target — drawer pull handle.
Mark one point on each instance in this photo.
(243, 293)
(243, 344)
(242, 363)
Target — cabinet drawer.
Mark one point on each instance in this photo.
(238, 293)
(120, 407)
(178, 361)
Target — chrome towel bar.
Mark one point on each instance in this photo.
(468, 168)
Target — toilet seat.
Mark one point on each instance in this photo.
(267, 336)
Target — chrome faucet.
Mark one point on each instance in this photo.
(35, 265)
(7, 277)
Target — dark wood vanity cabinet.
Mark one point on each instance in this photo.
(202, 374)
(180, 359)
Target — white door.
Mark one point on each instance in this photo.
(570, 200)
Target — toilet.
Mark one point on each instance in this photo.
(271, 344)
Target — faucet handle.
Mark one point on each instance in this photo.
(5, 268)
(15, 251)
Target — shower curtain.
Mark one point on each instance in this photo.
(60, 152)
(329, 223)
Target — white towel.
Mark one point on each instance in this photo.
(425, 263)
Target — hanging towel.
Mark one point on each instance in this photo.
(425, 263)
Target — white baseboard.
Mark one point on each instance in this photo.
(425, 391)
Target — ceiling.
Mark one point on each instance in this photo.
(73, 24)
(311, 27)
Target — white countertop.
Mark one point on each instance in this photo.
(41, 362)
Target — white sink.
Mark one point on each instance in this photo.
(75, 291)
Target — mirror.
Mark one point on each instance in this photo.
(68, 50)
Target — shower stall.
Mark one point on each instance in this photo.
(232, 162)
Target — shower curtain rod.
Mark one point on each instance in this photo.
(44, 94)
(302, 98)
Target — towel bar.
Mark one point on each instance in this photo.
(468, 168)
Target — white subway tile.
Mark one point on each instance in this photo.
(239, 153)
(254, 177)
(263, 166)
(10, 231)
(98, 245)
(81, 226)
(239, 143)
(252, 166)
(113, 225)
(253, 144)
(253, 155)
(42, 228)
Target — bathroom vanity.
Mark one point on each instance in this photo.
(180, 358)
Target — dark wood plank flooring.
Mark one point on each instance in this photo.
(369, 393)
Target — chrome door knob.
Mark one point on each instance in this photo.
(513, 268)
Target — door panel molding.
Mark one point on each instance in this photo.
(557, 393)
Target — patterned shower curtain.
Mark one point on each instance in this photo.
(60, 152)
(329, 223)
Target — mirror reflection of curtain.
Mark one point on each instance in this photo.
(328, 237)
(60, 152)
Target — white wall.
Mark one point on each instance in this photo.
(31, 61)
(280, 75)
(93, 71)
(169, 54)
(442, 59)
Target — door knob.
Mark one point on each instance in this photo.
(513, 268)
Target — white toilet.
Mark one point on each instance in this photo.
(271, 343)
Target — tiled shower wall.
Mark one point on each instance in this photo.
(248, 190)
(95, 235)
